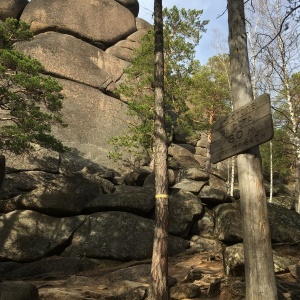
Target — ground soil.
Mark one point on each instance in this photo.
(93, 284)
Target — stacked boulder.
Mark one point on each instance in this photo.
(86, 46)
(77, 204)
(12, 8)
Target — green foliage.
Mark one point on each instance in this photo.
(210, 96)
(30, 102)
(284, 147)
(288, 98)
(182, 30)
(283, 157)
(12, 31)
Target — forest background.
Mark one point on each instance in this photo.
(273, 39)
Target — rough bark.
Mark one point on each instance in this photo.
(232, 176)
(2, 169)
(259, 270)
(159, 268)
(271, 172)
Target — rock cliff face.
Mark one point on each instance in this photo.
(12, 8)
(86, 46)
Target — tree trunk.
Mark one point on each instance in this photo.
(297, 184)
(259, 270)
(2, 169)
(232, 175)
(159, 268)
(271, 172)
(208, 155)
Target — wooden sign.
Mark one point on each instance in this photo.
(244, 128)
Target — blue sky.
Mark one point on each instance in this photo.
(217, 29)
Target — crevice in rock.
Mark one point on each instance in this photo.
(14, 171)
(59, 249)
(102, 90)
(99, 45)
(57, 76)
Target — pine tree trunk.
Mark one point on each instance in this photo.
(2, 169)
(159, 268)
(259, 270)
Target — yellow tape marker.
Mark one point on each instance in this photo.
(161, 196)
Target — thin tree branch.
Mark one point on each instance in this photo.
(279, 31)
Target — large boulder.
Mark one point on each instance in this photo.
(50, 266)
(123, 50)
(100, 22)
(11, 8)
(190, 185)
(184, 210)
(212, 196)
(234, 261)
(51, 194)
(217, 182)
(182, 156)
(140, 273)
(23, 182)
(65, 56)
(39, 159)
(136, 200)
(228, 223)
(132, 5)
(93, 118)
(142, 24)
(118, 235)
(205, 227)
(284, 223)
(184, 291)
(18, 290)
(27, 235)
(208, 245)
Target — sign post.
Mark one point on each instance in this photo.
(244, 128)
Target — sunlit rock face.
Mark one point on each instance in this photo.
(86, 45)
(11, 8)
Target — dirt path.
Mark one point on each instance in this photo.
(202, 269)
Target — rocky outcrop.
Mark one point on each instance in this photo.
(12, 8)
(132, 5)
(51, 194)
(284, 223)
(99, 22)
(86, 46)
(184, 209)
(234, 261)
(65, 56)
(18, 291)
(28, 235)
(93, 118)
(118, 235)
